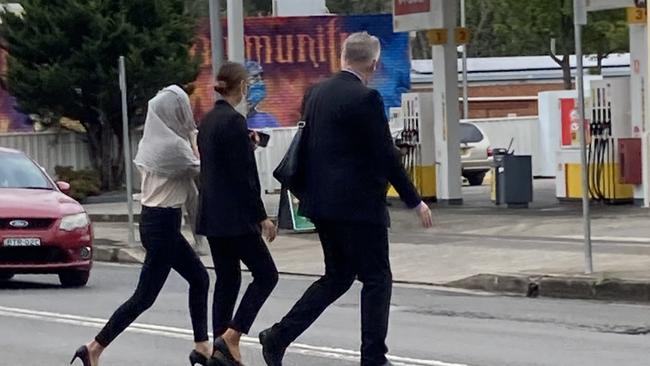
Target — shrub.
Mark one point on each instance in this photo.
(83, 183)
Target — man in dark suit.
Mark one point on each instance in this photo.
(349, 161)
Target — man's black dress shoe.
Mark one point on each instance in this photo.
(272, 352)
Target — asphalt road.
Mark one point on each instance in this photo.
(42, 324)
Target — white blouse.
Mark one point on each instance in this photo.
(166, 192)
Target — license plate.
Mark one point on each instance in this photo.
(22, 242)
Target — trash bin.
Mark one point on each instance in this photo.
(512, 179)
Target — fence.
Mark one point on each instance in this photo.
(51, 149)
(524, 132)
(269, 157)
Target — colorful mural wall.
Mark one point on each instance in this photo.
(284, 57)
(287, 55)
(10, 119)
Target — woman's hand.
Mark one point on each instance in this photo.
(194, 144)
(255, 138)
(269, 231)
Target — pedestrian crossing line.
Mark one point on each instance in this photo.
(186, 334)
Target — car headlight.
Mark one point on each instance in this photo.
(74, 222)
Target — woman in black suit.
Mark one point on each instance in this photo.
(232, 215)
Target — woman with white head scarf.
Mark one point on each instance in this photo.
(168, 162)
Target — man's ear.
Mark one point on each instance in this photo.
(375, 64)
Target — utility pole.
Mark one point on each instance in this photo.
(463, 23)
(580, 19)
(236, 31)
(126, 132)
(216, 36)
(236, 39)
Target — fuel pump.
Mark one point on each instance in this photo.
(610, 121)
(415, 140)
(408, 142)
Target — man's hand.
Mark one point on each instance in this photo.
(269, 230)
(425, 215)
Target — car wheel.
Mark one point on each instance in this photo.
(476, 179)
(74, 278)
(6, 276)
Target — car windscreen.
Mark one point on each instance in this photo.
(18, 171)
(470, 134)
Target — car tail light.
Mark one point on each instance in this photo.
(490, 152)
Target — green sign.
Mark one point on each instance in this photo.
(300, 223)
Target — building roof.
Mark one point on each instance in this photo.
(6, 150)
(520, 68)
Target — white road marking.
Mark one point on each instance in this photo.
(180, 333)
(614, 239)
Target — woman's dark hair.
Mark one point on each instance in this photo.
(230, 76)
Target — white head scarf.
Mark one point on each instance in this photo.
(165, 147)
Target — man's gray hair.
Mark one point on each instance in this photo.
(361, 48)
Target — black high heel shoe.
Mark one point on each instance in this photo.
(222, 354)
(197, 358)
(82, 354)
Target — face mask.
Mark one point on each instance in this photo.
(256, 93)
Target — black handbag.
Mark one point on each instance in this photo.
(289, 171)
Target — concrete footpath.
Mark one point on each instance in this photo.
(534, 252)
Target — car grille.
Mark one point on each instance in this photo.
(38, 224)
(32, 255)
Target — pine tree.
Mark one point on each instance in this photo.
(63, 57)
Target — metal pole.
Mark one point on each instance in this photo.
(580, 14)
(216, 36)
(236, 31)
(463, 23)
(127, 149)
(236, 40)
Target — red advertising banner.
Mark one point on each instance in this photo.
(406, 7)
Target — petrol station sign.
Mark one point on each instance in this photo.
(413, 15)
(405, 7)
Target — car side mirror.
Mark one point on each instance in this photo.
(64, 187)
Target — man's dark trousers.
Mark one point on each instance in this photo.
(352, 251)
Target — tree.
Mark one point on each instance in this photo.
(63, 63)
(606, 33)
(522, 28)
(359, 7)
(200, 8)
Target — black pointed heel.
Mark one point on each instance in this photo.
(82, 354)
(196, 358)
(222, 354)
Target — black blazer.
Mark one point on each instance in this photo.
(349, 154)
(230, 202)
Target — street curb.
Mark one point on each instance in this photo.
(124, 218)
(113, 218)
(118, 255)
(565, 287)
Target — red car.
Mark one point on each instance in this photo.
(42, 230)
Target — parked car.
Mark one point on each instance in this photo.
(475, 153)
(42, 230)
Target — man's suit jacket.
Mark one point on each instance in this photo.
(230, 202)
(349, 154)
